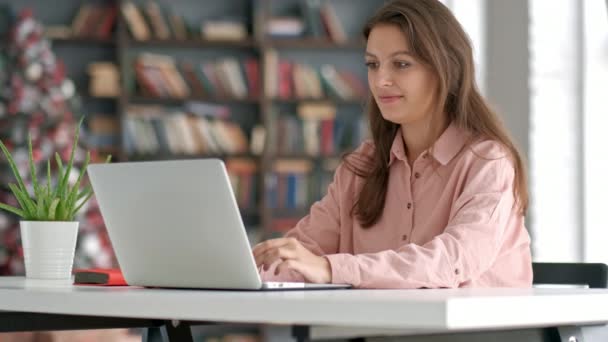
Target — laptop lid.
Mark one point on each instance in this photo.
(175, 224)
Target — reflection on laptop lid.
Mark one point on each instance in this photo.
(177, 224)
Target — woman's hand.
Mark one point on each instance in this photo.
(293, 256)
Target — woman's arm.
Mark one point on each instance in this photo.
(467, 247)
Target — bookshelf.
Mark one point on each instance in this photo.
(275, 111)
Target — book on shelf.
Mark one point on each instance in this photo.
(229, 29)
(293, 186)
(94, 20)
(135, 21)
(285, 27)
(157, 20)
(154, 130)
(163, 76)
(104, 131)
(178, 26)
(150, 20)
(311, 18)
(316, 130)
(243, 178)
(104, 79)
(332, 23)
(290, 184)
(286, 80)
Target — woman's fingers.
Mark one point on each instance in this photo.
(273, 255)
(263, 247)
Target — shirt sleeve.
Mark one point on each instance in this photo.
(467, 247)
(319, 231)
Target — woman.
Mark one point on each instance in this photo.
(438, 197)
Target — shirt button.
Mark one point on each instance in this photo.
(417, 174)
(457, 271)
(409, 205)
(404, 237)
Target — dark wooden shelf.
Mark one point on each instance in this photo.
(312, 43)
(170, 156)
(82, 40)
(100, 98)
(170, 100)
(301, 156)
(192, 43)
(336, 101)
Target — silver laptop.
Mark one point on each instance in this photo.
(177, 224)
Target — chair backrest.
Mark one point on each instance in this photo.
(595, 275)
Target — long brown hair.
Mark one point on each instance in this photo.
(438, 40)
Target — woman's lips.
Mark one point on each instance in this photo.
(390, 98)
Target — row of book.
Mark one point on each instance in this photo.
(91, 21)
(103, 132)
(243, 178)
(150, 21)
(163, 76)
(313, 18)
(296, 184)
(316, 130)
(286, 80)
(154, 130)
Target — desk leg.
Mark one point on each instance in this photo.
(585, 333)
(176, 331)
(170, 331)
(301, 333)
(569, 334)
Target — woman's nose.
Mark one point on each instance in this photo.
(384, 78)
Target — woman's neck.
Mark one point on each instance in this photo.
(417, 138)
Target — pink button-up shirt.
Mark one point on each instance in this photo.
(450, 220)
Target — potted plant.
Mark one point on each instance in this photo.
(48, 227)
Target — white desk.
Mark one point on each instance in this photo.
(405, 311)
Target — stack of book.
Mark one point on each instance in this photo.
(104, 79)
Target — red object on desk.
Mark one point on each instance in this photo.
(99, 276)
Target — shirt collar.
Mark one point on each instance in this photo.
(397, 149)
(450, 142)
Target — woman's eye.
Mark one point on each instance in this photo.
(402, 65)
(371, 65)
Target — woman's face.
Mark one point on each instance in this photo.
(402, 86)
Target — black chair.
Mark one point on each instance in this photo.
(595, 275)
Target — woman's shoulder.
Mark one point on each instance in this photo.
(487, 148)
(486, 154)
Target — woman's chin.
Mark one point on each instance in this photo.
(394, 117)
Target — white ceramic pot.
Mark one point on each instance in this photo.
(48, 248)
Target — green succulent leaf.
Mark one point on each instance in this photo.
(13, 166)
(13, 210)
(53, 203)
